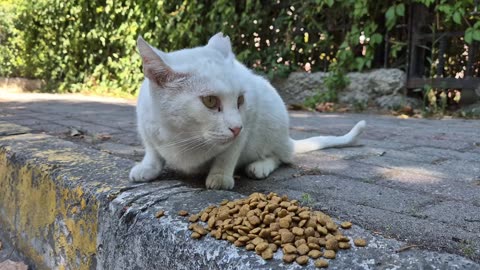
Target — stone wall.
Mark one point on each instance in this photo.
(384, 88)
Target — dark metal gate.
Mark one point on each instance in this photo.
(423, 40)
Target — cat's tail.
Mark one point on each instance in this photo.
(321, 142)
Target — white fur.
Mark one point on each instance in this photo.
(178, 131)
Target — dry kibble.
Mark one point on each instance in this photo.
(182, 213)
(300, 242)
(297, 231)
(160, 214)
(314, 246)
(199, 229)
(309, 231)
(341, 238)
(196, 235)
(261, 247)
(302, 260)
(344, 245)
(204, 217)
(239, 243)
(257, 241)
(303, 249)
(346, 225)
(273, 247)
(284, 223)
(267, 254)
(321, 263)
(289, 258)
(287, 237)
(193, 218)
(265, 223)
(315, 254)
(304, 215)
(289, 249)
(329, 254)
(359, 242)
(332, 244)
(322, 242)
(244, 238)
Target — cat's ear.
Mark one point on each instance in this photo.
(222, 44)
(154, 67)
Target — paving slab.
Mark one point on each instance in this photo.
(413, 181)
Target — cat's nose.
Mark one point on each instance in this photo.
(235, 131)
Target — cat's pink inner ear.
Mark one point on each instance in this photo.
(154, 68)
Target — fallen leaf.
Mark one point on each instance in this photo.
(11, 265)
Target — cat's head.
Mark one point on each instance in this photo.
(198, 91)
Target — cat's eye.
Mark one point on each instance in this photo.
(240, 101)
(211, 102)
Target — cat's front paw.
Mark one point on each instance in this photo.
(260, 169)
(142, 173)
(219, 181)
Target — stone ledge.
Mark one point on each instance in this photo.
(71, 207)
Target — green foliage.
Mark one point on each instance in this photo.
(77, 45)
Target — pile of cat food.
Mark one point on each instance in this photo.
(264, 223)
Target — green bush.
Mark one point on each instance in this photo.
(83, 44)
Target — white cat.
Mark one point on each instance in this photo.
(200, 110)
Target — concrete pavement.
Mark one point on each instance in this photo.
(413, 182)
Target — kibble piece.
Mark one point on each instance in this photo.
(332, 244)
(322, 242)
(204, 217)
(231, 239)
(297, 231)
(239, 243)
(314, 246)
(274, 226)
(244, 238)
(329, 254)
(300, 242)
(267, 254)
(303, 249)
(320, 263)
(322, 230)
(254, 220)
(331, 226)
(249, 247)
(313, 240)
(315, 254)
(273, 247)
(182, 213)
(211, 222)
(309, 231)
(359, 242)
(261, 247)
(257, 241)
(302, 260)
(284, 223)
(160, 214)
(289, 258)
(302, 222)
(268, 219)
(199, 229)
(289, 249)
(341, 238)
(193, 218)
(196, 235)
(346, 225)
(287, 237)
(304, 215)
(344, 245)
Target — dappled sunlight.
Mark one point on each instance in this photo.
(404, 175)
